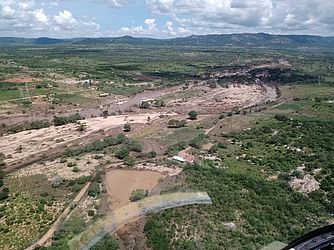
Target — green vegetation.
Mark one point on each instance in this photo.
(173, 123)
(138, 194)
(30, 209)
(37, 124)
(122, 153)
(127, 127)
(242, 195)
(62, 120)
(250, 188)
(192, 115)
(94, 189)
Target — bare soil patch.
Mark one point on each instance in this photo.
(29, 146)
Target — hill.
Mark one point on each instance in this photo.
(231, 40)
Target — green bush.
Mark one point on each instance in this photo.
(192, 115)
(138, 194)
(62, 120)
(127, 127)
(129, 161)
(134, 146)
(173, 123)
(281, 118)
(198, 141)
(94, 189)
(122, 153)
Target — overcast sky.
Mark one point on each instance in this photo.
(163, 18)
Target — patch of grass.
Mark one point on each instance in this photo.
(292, 106)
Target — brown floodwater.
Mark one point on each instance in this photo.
(120, 184)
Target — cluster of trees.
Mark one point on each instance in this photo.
(175, 148)
(37, 124)
(123, 153)
(62, 120)
(174, 123)
(255, 209)
(97, 146)
(156, 103)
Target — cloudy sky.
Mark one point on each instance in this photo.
(163, 18)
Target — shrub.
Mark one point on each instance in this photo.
(198, 141)
(152, 154)
(144, 105)
(44, 194)
(174, 149)
(281, 118)
(122, 153)
(91, 213)
(221, 117)
(76, 169)
(192, 115)
(138, 194)
(212, 84)
(129, 161)
(173, 123)
(71, 164)
(127, 127)
(94, 189)
(62, 120)
(134, 146)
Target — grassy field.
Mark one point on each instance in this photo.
(29, 211)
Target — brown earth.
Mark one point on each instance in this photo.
(121, 183)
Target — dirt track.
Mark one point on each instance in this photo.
(48, 235)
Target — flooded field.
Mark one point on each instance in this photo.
(121, 183)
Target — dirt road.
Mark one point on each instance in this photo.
(49, 234)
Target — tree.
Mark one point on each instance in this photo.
(144, 105)
(105, 113)
(173, 123)
(127, 127)
(192, 115)
(281, 118)
(82, 127)
(122, 153)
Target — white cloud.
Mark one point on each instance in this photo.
(65, 18)
(153, 30)
(222, 16)
(116, 3)
(24, 18)
(150, 22)
(40, 16)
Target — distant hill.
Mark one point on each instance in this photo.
(232, 40)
